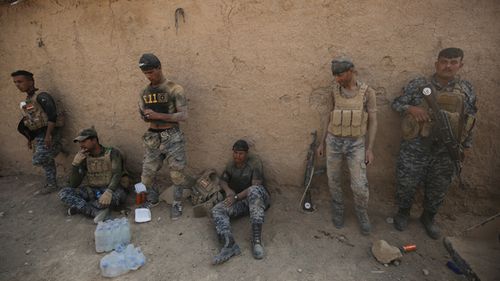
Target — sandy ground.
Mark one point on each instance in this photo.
(40, 242)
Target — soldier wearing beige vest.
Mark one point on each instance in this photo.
(349, 131)
(103, 168)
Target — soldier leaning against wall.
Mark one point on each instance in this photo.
(349, 131)
(40, 125)
(423, 157)
(163, 105)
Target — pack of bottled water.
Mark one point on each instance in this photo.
(111, 234)
(122, 260)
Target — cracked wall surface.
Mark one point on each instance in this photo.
(251, 69)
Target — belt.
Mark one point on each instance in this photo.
(172, 129)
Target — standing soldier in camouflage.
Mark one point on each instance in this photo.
(423, 158)
(243, 185)
(163, 105)
(103, 168)
(39, 125)
(351, 123)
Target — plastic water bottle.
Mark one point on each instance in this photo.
(111, 234)
(121, 261)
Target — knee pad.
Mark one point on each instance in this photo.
(147, 180)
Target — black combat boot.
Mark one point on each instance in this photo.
(338, 215)
(364, 221)
(427, 219)
(257, 249)
(229, 249)
(401, 219)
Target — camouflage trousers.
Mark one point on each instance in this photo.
(422, 164)
(354, 151)
(257, 201)
(44, 156)
(167, 145)
(84, 197)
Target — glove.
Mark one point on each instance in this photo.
(79, 157)
(105, 198)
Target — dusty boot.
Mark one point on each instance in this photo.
(257, 249)
(427, 219)
(176, 210)
(229, 249)
(401, 219)
(338, 215)
(101, 215)
(364, 221)
(48, 188)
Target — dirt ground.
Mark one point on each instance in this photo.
(40, 242)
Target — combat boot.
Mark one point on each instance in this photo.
(338, 215)
(427, 219)
(48, 188)
(257, 249)
(229, 250)
(364, 221)
(176, 210)
(401, 219)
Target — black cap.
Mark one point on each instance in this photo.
(149, 61)
(85, 134)
(341, 65)
(240, 145)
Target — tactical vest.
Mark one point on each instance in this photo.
(160, 99)
(452, 103)
(35, 118)
(349, 118)
(99, 169)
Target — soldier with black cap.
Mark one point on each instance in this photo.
(245, 194)
(163, 105)
(103, 168)
(424, 158)
(349, 131)
(39, 124)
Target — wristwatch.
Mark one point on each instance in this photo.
(236, 197)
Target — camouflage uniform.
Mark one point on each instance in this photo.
(86, 197)
(254, 204)
(33, 126)
(424, 160)
(338, 145)
(168, 144)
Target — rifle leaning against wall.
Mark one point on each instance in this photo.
(306, 204)
(444, 130)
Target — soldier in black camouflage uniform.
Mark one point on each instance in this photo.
(423, 158)
(163, 105)
(242, 182)
(38, 125)
(103, 168)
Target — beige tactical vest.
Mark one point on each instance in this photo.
(34, 117)
(452, 103)
(349, 118)
(99, 169)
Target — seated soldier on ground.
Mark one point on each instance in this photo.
(242, 182)
(103, 168)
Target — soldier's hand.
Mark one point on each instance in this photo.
(48, 140)
(320, 151)
(229, 201)
(79, 157)
(105, 198)
(150, 114)
(368, 156)
(420, 114)
(30, 144)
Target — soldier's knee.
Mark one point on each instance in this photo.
(178, 177)
(147, 180)
(65, 192)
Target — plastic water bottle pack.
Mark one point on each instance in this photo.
(122, 260)
(111, 234)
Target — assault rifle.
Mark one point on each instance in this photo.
(306, 201)
(444, 130)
